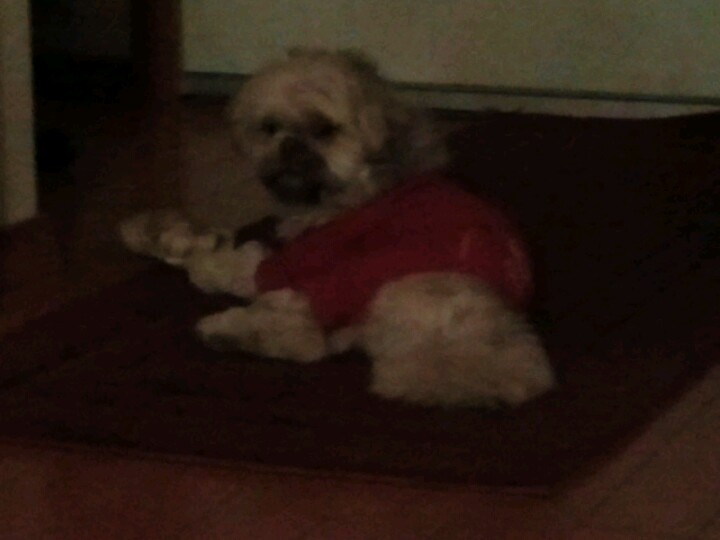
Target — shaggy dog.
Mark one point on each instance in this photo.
(379, 252)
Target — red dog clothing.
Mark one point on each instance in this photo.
(424, 225)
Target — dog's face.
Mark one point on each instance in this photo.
(324, 129)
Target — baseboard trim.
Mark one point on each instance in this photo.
(482, 98)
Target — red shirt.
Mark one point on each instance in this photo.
(425, 225)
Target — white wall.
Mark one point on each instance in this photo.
(649, 47)
(18, 197)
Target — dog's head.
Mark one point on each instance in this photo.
(323, 128)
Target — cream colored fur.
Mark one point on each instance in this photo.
(434, 339)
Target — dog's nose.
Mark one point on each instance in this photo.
(297, 156)
(296, 175)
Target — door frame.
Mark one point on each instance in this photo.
(156, 57)
(18, 190)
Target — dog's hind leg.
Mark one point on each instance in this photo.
(444, 339)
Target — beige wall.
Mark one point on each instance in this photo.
(655, 47)
(18, 198)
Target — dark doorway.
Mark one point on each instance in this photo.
(117, 53)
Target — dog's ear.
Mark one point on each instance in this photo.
(402, 138)
(424, 142)
(398, 135)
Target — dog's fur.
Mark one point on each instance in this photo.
(325, 134)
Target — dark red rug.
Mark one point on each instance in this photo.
(622, 217)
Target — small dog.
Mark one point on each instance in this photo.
(378, 253)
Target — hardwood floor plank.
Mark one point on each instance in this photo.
(676, 492)
(711, 530)
(583, 500)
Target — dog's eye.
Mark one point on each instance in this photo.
(269, 127)
(324, 130)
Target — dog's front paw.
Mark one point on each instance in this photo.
(227, 270)
(226, 331)
(166, 235)
(263, 332)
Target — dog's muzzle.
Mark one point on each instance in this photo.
(297, 176)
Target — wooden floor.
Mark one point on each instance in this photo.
(666, 485)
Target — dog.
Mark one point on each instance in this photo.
(328, 138)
